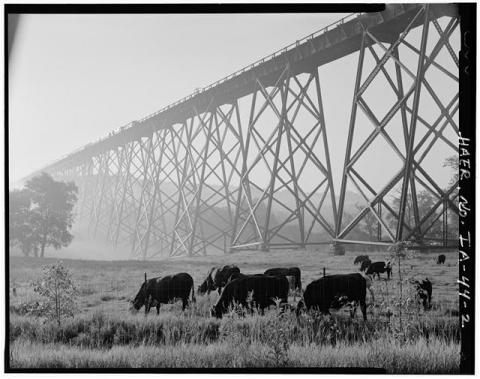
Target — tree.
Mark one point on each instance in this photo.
(369, 224)
(51, 212)
(453, 227)
(58, 290)
(453, 163)
(358, 232)
(20, 225)
(425, 202)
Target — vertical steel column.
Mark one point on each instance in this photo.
(445, 223)
(244, 173)
(351, 129)
(298, 203)
(413, 124)
(403, 112)
(327, 150)
(224, 158)
(87, 172)
(181, 180)
(96, 204)
(197, 210)
(379, 224)
(119, 152)
(146, 166)
(101, 198)
(157, 169)
(124, 190)
(284, 94)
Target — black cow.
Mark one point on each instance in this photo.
(162, 290)
(441, 259)
(333, 291)
(365, 264)
(235, 275)
(291, 280)
(360, 259)
(264, 289)
(292, 271)
(424, 292)
(217, 278)
(379, 268)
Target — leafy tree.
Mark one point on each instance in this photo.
(52, 206)
(369, 224)
(453, 227)
(425, 202)
(20, 226)
(41, 214)
(453, 163)
(358, 232)
(58, 290)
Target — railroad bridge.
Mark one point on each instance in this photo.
(244, 163)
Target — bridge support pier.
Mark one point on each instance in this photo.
(246, 163)
(408, 213)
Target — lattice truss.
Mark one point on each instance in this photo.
(256, 172)
(404, 113)
(286, 173)
(238, 175)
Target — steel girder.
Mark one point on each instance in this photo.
(219, 180)
(292, 150)
(239, 175)
(406, 116)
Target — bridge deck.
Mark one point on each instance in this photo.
(318, 49)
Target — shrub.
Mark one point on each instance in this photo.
(58, 292)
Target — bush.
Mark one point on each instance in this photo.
(58, 292)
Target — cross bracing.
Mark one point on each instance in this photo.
(231, 166)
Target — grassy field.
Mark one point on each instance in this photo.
(105, 333)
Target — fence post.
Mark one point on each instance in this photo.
(324, 272)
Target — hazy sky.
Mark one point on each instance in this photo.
(74, 78)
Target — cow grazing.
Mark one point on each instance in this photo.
(162, 290)
(333, 291)
(292, 271)
(360, 259)
(217, 278)
(235, 275)
(365, 264)
(441, 259)
(291, 283)
(424, 292)
(379, 268)
(264, 288)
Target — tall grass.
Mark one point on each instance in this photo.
(276, 339)
(104, 334)
(101, 331)
(421, 356)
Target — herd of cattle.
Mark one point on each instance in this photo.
(272, 287)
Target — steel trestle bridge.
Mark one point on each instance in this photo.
(231, 166)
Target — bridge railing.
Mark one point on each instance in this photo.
(256, 63)
(251, 66)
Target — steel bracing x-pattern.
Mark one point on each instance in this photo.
(415, 148)
(238, 174)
